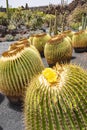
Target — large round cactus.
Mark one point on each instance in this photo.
(17, 68)
(57, 100)
(79, 41)
(58, 49)
(40, 40)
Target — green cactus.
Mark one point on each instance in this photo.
(31, 39)
(19, 43)
(79, 41)
(57, 100)
(84, 21)
(55, 24)
(68, 33)
(58, 49)
(40, 40)
(17, 67)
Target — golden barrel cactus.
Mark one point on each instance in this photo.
(79, 41)
(57, 100)
(68, 33)
(58, 49)
(17, 67)
(40, 40)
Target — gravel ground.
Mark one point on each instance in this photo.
(11, 116)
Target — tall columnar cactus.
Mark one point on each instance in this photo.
(55, 24)
(17, 67)
(79, 41)
(7, 8)
(57, 100)
(40, 40)
(58, 49)
(50, 26)
(84, 21)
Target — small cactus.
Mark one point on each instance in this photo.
(57, 99)
(17, 67)
(39, 42)
(58, 49)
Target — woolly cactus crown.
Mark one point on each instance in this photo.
(56, 100)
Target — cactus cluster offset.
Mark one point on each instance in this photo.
(17, 67)
(40, 40)
(57, 100)
(58, 49)
(79, 40)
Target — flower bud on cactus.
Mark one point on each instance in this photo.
(57, 100)
(58, 49)
(79, 41)
(17, 68)
(40, 40)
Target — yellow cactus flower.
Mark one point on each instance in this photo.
(50, 75)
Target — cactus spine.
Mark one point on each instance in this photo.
(57, 100)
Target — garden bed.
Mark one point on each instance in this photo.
(11, 116)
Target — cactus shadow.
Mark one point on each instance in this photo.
(73, 57)
(1, 128)
(16, 106)
(1, 98)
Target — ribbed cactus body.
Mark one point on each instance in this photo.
(61, 103)
(58, 49)
(68, 33)
(40, 40)
(79, 40)
(18, 44)
(17, 68)
(31, 39)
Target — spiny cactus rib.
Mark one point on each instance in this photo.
(61, 105)
(17, 70)
(58, 49)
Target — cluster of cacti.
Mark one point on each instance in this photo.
(58, 49)
(79, 41)
(40, 40)
(17, 67)
(57, 99)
